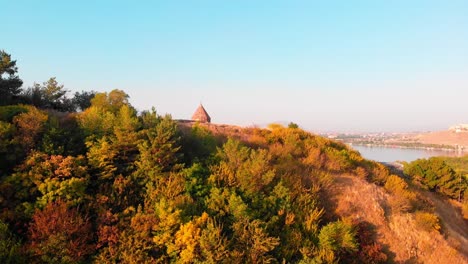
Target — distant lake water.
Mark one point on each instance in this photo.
(389, 154)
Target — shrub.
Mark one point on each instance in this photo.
(435, 175)
(8, 112)
(395, 184)
(370, 251)
(337, 238)
(427, 221)
(361, 173)
(404, 199)
(380, 173)
(400, 204)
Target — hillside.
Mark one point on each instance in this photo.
(110, 185)
(444, 138)
(398, 232)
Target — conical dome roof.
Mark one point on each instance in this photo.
(201, 115)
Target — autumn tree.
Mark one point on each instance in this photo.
(159, 147)
(11, 149)
(131, 245)
(111, 101)
(100, 118)
(30, 127)
(112, 155)
(43, 179)
(59, 234)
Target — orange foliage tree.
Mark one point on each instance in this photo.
(59, 234)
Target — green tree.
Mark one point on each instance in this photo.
(213, 243)
(253, 243)
(49, 95)
(10, 247)
(106, 113)
(159, 147)
(113, 151)
(435, 175)
(125, 131)
(198, 144)
(62, 135)
(101, 156)
(10, 83)
(10, 150)
(232, 156)
(293, 125)
(337, 238)
(82, 100)
(96, 123)
(112, 101)
(168, 222)
(11, 147)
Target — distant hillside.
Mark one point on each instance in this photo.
(450, 139)
(444, 138)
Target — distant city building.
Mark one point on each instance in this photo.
(459, 128)
(201, 115)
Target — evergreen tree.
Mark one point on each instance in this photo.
(10, 83)
(49, 95)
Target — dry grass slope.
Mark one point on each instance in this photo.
(406, 243)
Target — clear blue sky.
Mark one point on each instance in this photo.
(326, 65)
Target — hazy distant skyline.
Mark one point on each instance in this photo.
(327, 66)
